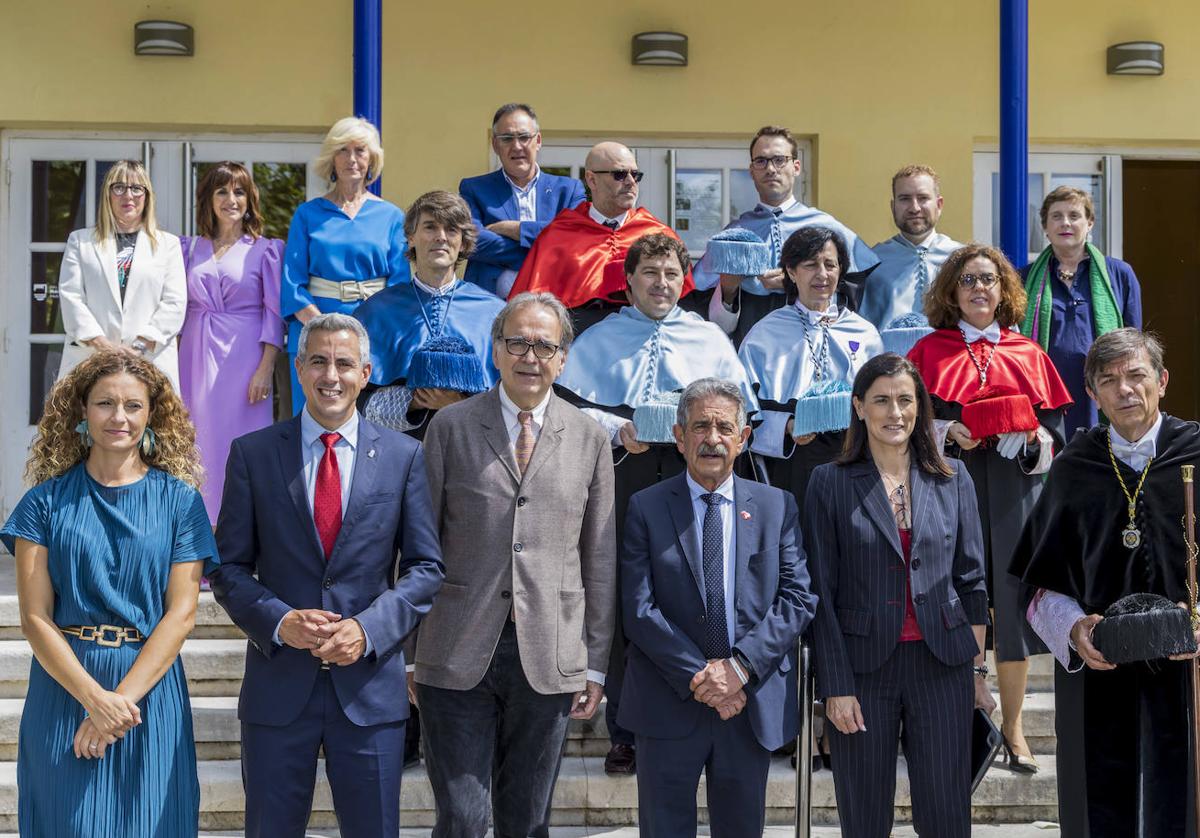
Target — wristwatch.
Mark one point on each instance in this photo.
(139, 345)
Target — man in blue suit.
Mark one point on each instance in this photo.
(715, 594)
(314, 513)
(513, 204)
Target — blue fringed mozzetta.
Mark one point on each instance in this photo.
(903, 332)
(825, 407)
(655, 420)
(738, 251)
(446, 363)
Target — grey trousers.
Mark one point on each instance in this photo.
(495, 748)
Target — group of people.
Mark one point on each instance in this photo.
(587, 468)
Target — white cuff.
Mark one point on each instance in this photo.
(1045, 454)
(720, 314)
(275, 637)
(597, 677)
(770, 436)
(410, 667)
(1052, 615)
(941, 427)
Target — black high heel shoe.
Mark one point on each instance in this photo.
(1017, 763)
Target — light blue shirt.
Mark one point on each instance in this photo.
(311, 452)
(526, 197)
(699, 510)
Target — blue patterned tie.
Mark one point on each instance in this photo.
(716, 629)
(922, 279)
(776, 237)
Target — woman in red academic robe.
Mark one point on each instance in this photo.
(975, 302)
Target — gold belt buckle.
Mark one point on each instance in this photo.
(101, 631)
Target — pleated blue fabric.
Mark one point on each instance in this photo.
(110, 555)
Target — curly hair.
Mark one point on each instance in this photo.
(941, 304)
(58, 447)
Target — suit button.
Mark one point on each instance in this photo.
(919, 599)
(522, 501)
(700, 619)
(518, 547)
(915, 564)
(505, 595)
(328, 584)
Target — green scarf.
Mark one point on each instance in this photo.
(1106, 314)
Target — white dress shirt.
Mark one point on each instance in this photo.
(600, 218)
(526, 199)
(509, 410)
(435, 292)
(1051, 614)
(312, 450)
(699, 510)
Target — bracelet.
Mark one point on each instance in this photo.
(737, 669)
(981, 670)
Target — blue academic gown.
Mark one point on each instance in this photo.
(1072, 332)
(491, 199)
(891, 289)
(323, 241)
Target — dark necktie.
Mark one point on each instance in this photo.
(327, 498)
(716, 629)
(611, 224)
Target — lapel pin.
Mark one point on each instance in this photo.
(371, 454)
(745, 515)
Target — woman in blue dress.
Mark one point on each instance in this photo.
(110, 544)
(344, 246)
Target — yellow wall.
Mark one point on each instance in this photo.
(875, 83)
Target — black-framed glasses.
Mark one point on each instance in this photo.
(522, 138)
(541, 349)
(982, 280)
(778, 161)
(134, 189)
(619, 175)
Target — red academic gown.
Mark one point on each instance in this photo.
(579, 260)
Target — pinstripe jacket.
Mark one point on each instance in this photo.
(857, 566)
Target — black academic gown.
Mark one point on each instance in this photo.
(1122, 734)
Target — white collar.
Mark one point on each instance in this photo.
(430, 290)
(311, 429)
(510, 410)
(725, 490)
(814, 317)
(1149, 439)
(523, 190)
(599, 218)
(788, 203)
(991, 334)
(926, 242)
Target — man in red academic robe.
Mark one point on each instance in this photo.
(580, 255)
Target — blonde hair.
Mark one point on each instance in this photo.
(125, 171)
(350, 129)
(58, 446)
(914, 170)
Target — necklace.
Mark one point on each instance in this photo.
(898, 497)
(819, 360)
(1131, 536)
(982, 368)
(1067, 277)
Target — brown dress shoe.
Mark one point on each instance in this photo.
(621, 759)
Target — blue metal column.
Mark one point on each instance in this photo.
(368, 64)
(1014, 130)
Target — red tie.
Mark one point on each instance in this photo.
(327, 499)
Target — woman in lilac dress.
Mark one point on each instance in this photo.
(233, 329)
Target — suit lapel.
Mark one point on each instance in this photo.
(922, 501)
(745, 528)
(680, 504)
(548, 440)
(106, 252)
(509, 209)
(545, 201)
(496, 433)
(291, 461)
(362, 482)
(873, 496)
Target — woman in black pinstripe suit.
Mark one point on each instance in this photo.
(896, 555)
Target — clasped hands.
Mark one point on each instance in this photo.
(718, 686)
(330, 638)
(110, 715)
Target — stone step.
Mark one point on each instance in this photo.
(586, 796)
(211, 619)
(1037, 829)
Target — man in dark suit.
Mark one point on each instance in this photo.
(513, 204)
(314, 512)
(714, 602)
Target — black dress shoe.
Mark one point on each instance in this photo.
(621, 759)
(1018, 763)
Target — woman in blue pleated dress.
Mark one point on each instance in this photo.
(110, 544)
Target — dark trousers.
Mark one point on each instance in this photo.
(495, 748)
(735, 767)
(934, 702)
(363, 764)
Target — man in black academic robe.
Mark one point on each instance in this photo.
(1122, 730)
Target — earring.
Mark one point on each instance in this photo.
(368, 177)
(85, 436)
(149, 443)
(333, 177)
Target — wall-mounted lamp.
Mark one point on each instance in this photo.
(163, 37)
(660, 48)
(1136, 58)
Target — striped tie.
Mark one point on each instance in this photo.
(525, 441)
(922, 282)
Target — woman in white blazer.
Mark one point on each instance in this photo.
(122, 283)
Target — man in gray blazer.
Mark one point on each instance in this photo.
(518, 640)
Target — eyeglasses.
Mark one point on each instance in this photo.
(619, 175)
(778, 162)
(982, 280)
(134, 189)
(509, 139)
(541, 349)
